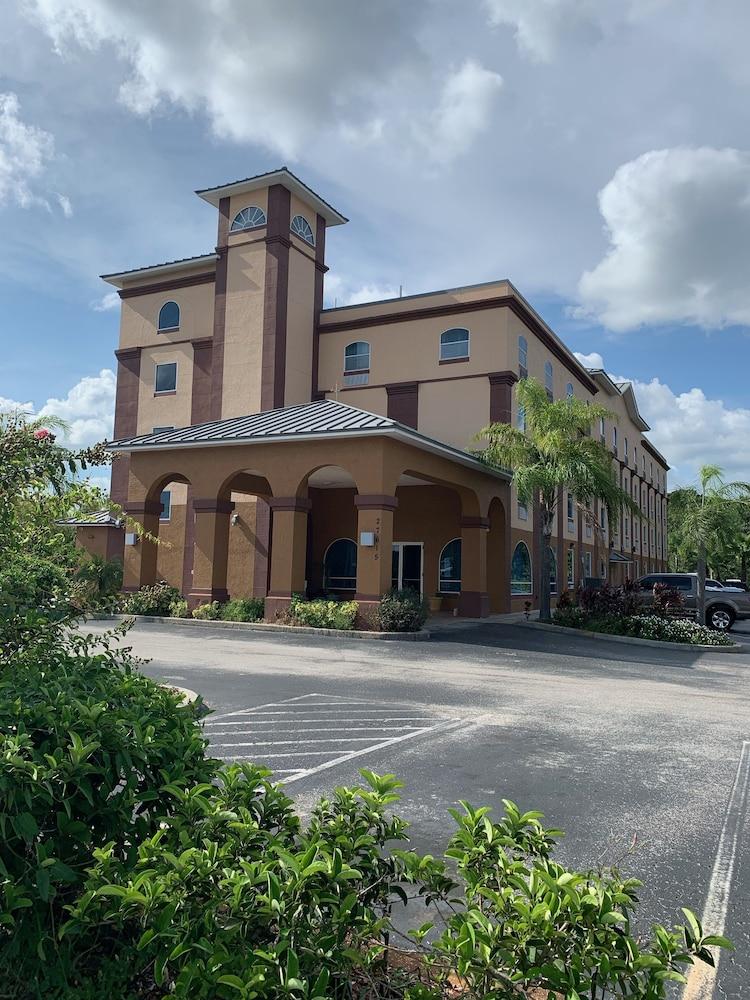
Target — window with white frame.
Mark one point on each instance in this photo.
(165, 377)
(587, 564)
(549, 380)
(552, 570)
(169, 317)
(571, 569)
(521, 418)
(357, 357)
(302, 228)
(520, 570)
(523, 511)
(454, 344)
(614, 440)
(248, 218)
(523, 358)
(625, 448)
(450, 568)
(340, 565)
(571, 513)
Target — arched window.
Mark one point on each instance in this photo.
(450, 568)
(548, 383)
(357, 357)
(569, 390)
(523, 357)
(454, 344)
(169, 316)
(520, 570)
(302, 228)
(248, 218)
(340, 565)
(552, 570)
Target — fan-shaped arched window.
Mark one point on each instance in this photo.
(552, 570)
(520, 570)
(454, 344)
(357, 357)
(169, 316)
(569, 390)
(302, 228)
(340, 565)
(248, 218)
(450, 568)
(523, 357)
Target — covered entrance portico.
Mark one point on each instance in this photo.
(322, 498)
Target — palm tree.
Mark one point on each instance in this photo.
(707, 510)
(556, 452)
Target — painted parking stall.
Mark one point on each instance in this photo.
(302, 736)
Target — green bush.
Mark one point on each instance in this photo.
(208, 612)
(323, 614)
(156, 600)
(644, 626)
(179, 609)
(29, 581)
(569, 616)
(402, 611)
(243, 609)
(92, 755)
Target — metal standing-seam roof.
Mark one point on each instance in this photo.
(325, 418)
(96, 519)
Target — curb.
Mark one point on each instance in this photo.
(633, 640)
(271, 627)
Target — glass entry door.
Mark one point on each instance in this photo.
(406, 566)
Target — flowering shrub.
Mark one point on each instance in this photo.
(323, 614)
(676, 630)
(156, 600)
(179, 609)
(208, 612)
(606, 600)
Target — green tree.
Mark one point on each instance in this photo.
(709, 514)
(556, 452)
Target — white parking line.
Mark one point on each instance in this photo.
(702, 979)
(383, 725)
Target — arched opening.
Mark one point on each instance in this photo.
(331, 490)
(171, 493)
(340, 566)
(248, 490)
(520, 571)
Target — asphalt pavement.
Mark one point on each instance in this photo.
(640, 755)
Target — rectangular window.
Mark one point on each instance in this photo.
(625, 448)
(166, 505)
(571, 569)
(165, 379)
(523, 512)
(163, 430)
(587, 564)
(521, 418)
(614, 440)
(571, 513)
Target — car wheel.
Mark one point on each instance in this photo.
(720, 617)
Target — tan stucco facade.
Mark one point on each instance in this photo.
(253, 336)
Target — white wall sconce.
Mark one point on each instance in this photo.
(235, 519)
(367, 539)
(131, 538)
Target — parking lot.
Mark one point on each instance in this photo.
(640, 755)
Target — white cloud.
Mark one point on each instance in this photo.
(593, 360)
(541, 26)
(342, 291)
(64, 202)
(88, 409)
(464, 110)
(25, 151)
(274, 74)
(106, 303)
(678, 222)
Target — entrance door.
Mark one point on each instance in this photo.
(406, 566)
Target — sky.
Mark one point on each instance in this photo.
(594, 152)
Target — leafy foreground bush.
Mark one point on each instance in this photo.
(208, 612)
(243, 609)
(644, 626)
(134, 867)
(402, 611)
(156, 600)
(323, 614)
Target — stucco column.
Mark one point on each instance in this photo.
(210, 551)
(139, 560)
(474, 601)
(374, 562)
(288, 552)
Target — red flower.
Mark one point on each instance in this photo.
(42, 434)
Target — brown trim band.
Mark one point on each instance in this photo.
(453, 361)
(453, 308)
(503, 378)
(422, 381)
(298, 505)
(475, 522)
(211, 506)
(375, 501)
(142, 507)
(127, 353)
(167, 286)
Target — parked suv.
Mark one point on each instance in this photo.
(724, 605)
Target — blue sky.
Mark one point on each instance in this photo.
(592, 151)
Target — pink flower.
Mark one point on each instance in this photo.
(42, 434)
